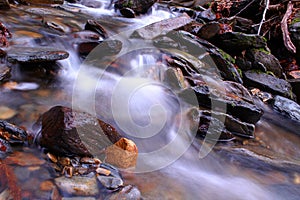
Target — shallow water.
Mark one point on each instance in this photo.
(265, 168)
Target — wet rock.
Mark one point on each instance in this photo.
(294, 30)
(238, 24)
(199, 48)
(268, 83)
(109, 182)
(128, 192)
(93, 25)
(84, 48)
(78, 198)
(4, 73)
(138, 6)
(41, 1)
(91, 3)
(23, 159)
(4, 4)
(294, 74)
(209, 30)
(5, 148)
(122, 154)
(67, 132)
(206, 15)
(162, 27)
(235, 42)
(78, 185)
(236, 101)
(287, 107)
(262, 59)
(48, 11)
(11, 132)
(127, 12)
(86, 35)
(34, 55)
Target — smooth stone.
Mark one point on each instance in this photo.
(264, 59)
(110, 182)
(287, 107)
(34, 55)
(294, 74)
(127, 12)
(268, 83)
(84, 48)
(95, 26)
(91, 3)
(63, 131)
(48, 11)
(78, 185)
(209, 30)
(127, 192)
(161, 28)
(236, 42)
(4, 73)
(6, 112)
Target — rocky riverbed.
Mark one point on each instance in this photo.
(80, 82)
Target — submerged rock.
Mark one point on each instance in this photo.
(287, 107)
(78, 186)
(268, 83)
(35, 54)
(128, 192)
(67, 132)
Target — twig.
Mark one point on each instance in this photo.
(244, 8)
(284, 28)
(267, 2)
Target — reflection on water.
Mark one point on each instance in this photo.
(232, 171)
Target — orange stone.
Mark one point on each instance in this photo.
(23, 159)
(294, 74)
(122, 154)
(46, 186)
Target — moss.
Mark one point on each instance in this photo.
(226, 56)
(295, 20)
(263, 50)
(270, 73)
(240, 72)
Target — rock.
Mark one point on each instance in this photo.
(238, 24)
(235, 42)
(268, 83)
(206, 15)
(91, 3)
(6, 113)
(4, 73)
(35, 54)
(209, 30)
(263, 59)
(238, 104)
(41, 1)
(162, 27)
(48, 11)
(23, 159)
(199, 47)
(128, 192)
(295, 83)
(294, 74)
(93, 25)
(78, 185)
(189, 3)
(78, 198)
(287, 107)
(86, 35)
(127, 12)
(84, 48)
(122, 154)
(5, 148)
(12, 132)
(4, 4)
(294, 29)
(138, 6)
(110, 182)
(70, 133)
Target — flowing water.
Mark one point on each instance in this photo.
(267, 168)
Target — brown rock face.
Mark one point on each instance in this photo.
(67, 132)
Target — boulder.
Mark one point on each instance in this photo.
(74, 133)
(268, 83)
(138, 6)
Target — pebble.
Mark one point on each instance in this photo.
(6, 112)
(110, 182)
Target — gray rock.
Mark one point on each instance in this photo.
(268, 83)
(78, 185)
(294, 30)
(4, 73)
(287, 107)
(128, 192)
(110, 182)
(295, 83)
(35, 54)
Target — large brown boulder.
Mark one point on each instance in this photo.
(74, 133)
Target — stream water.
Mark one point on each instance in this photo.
(266, 168)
